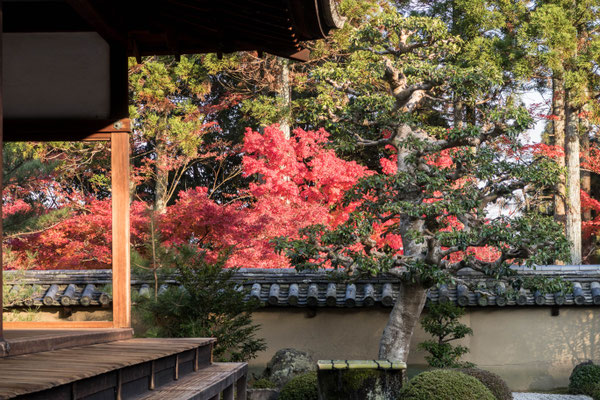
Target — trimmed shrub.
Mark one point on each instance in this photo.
(302, 387)
(263, 383)
(595, 392)
(493, 382)
(584, 378)
(444, 384)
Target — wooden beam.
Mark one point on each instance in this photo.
(102, 23)
(58, 324)
(120, 230)
(42, 16)
(119, 83)
(62, 130)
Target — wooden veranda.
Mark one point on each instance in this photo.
(63, 71)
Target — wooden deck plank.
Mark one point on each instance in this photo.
(202, 385)
(34, 372)
(38, 340)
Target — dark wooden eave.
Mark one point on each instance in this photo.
(160, 27)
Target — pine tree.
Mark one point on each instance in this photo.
(393, 90)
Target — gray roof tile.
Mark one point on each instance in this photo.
(288, 288)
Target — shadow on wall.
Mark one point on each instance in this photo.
(532, 349)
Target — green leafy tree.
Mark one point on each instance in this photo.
(562, 39)
(208, 304)
(393, 92)
(178, 140)
(442, 321)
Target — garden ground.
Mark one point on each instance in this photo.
(548, 396)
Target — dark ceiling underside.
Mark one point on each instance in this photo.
(153, 27)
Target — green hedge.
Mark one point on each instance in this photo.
(493, 382)
(302, 387)
(584, 378)
(595, 392)
(443, 384)
(263, 383)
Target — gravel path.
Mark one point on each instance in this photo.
(543, 396)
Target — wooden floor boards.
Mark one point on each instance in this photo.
(40, 371)
(23, 341)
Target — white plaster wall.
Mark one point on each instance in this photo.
(526, 346)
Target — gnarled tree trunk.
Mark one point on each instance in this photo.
(395, 341)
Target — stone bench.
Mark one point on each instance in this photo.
(359, 379)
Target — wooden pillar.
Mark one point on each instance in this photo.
(120, 187)
(120, 230)
(228, 393)
(241, 392)
(1, 186)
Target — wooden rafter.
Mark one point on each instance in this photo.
(106, 26)
(57, 130)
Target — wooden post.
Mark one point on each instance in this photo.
(120, 187)
(2, 346)
(228, 393)
(241, 392)
(120, 230)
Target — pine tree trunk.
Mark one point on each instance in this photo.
(395, 340)
(285, 93)
(161, 185)
(558, 127)
(573, 223)
(586, 178)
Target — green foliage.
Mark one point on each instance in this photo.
(13, 295)
(302, 387)
(403, 92)
(444, 385)
(208, 305)
(595, 392)
(493, 382)
(354, 380)
(263, 383)
(584, 378)
(442, 322)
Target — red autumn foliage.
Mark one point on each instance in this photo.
(294, 183)
(591, 163)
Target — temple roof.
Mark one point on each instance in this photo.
(154, 27)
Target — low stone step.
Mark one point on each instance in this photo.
(206, 384)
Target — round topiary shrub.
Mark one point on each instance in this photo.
(302, 387)
(595, 392)
(583, 378)
(444, 384)
(493, 382)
